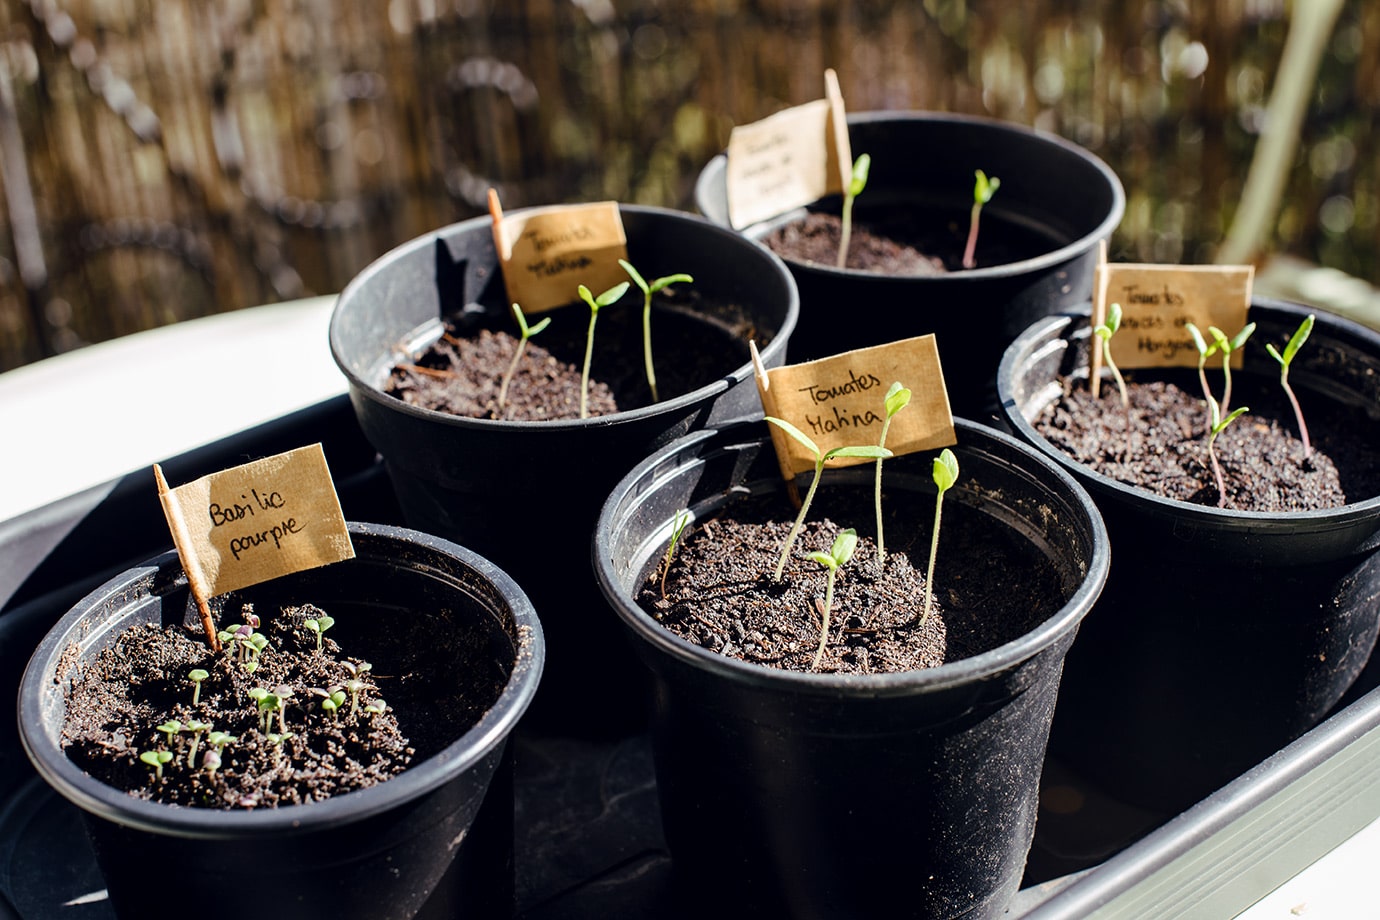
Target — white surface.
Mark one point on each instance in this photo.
(79, 419)
(1340, 886)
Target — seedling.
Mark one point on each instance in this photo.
(677, 530)
(156, 759)
(171, 728)
(218, 740)
(527, 333)
(1292, 348)
(983, 190)
(844, 546)
(355, 686)
(332, 699)
(868, 451)
(897, 398)
(648, 289)
(277, 739)
(1219, 425)
(196, 728)
(377, 707)
(1226, 346)
(595, 305)
(856, 183)
(210, 761)
(267, 704)
(319, 627)
(197, 675)
(945, 475)
(282, 693)
(1205, 351)
(1105, 332)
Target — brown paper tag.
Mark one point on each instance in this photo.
(788, 159)
(255, 522)
(841, 401)
(1157, 300)
(547, 253)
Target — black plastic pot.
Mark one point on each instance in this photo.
(527, 494)
(1056, 202)
(387, 851)
(1222, 635)
(822, 795)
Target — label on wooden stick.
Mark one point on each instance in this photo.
(789, 159)
(841, 401)
(255, 522)
(1157, 301)
(547, 253)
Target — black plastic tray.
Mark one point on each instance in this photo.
(588, 837)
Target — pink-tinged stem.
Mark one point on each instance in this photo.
(1298, 414)
(970, 251)
(1217, 472)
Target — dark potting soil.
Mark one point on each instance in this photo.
(1163, 446)
(434, 683)
(992, 585)
(695, 341)
(904, 241)
(815, 238)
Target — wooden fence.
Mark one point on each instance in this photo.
(167, 159)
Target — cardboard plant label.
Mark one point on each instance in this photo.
(1158, 300)
(788, 159)
(255, 522)
(841, 401)
(547, 253)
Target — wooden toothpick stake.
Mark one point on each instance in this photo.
(198, 590)
(1099, 316)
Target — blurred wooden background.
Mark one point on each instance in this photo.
(167, 159)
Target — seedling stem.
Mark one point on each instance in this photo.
(983, 190)
(856, 183)
(945, 475)
(897, 398)
(862, 450)
(527, 332)
(595, 303)
(1295, 343)
(837, 557)
(648, 289)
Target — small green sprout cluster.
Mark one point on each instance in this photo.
(944, 472)
(333, 697)
(184, 742)
(318, 626)
(246, 640)
(983, 190)
(172, 747)
(270, 702)
(1218, 417)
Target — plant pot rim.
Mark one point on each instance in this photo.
(855, 686)
(713, 173)
(372, 390)
(1202, 516)
(117, 806)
